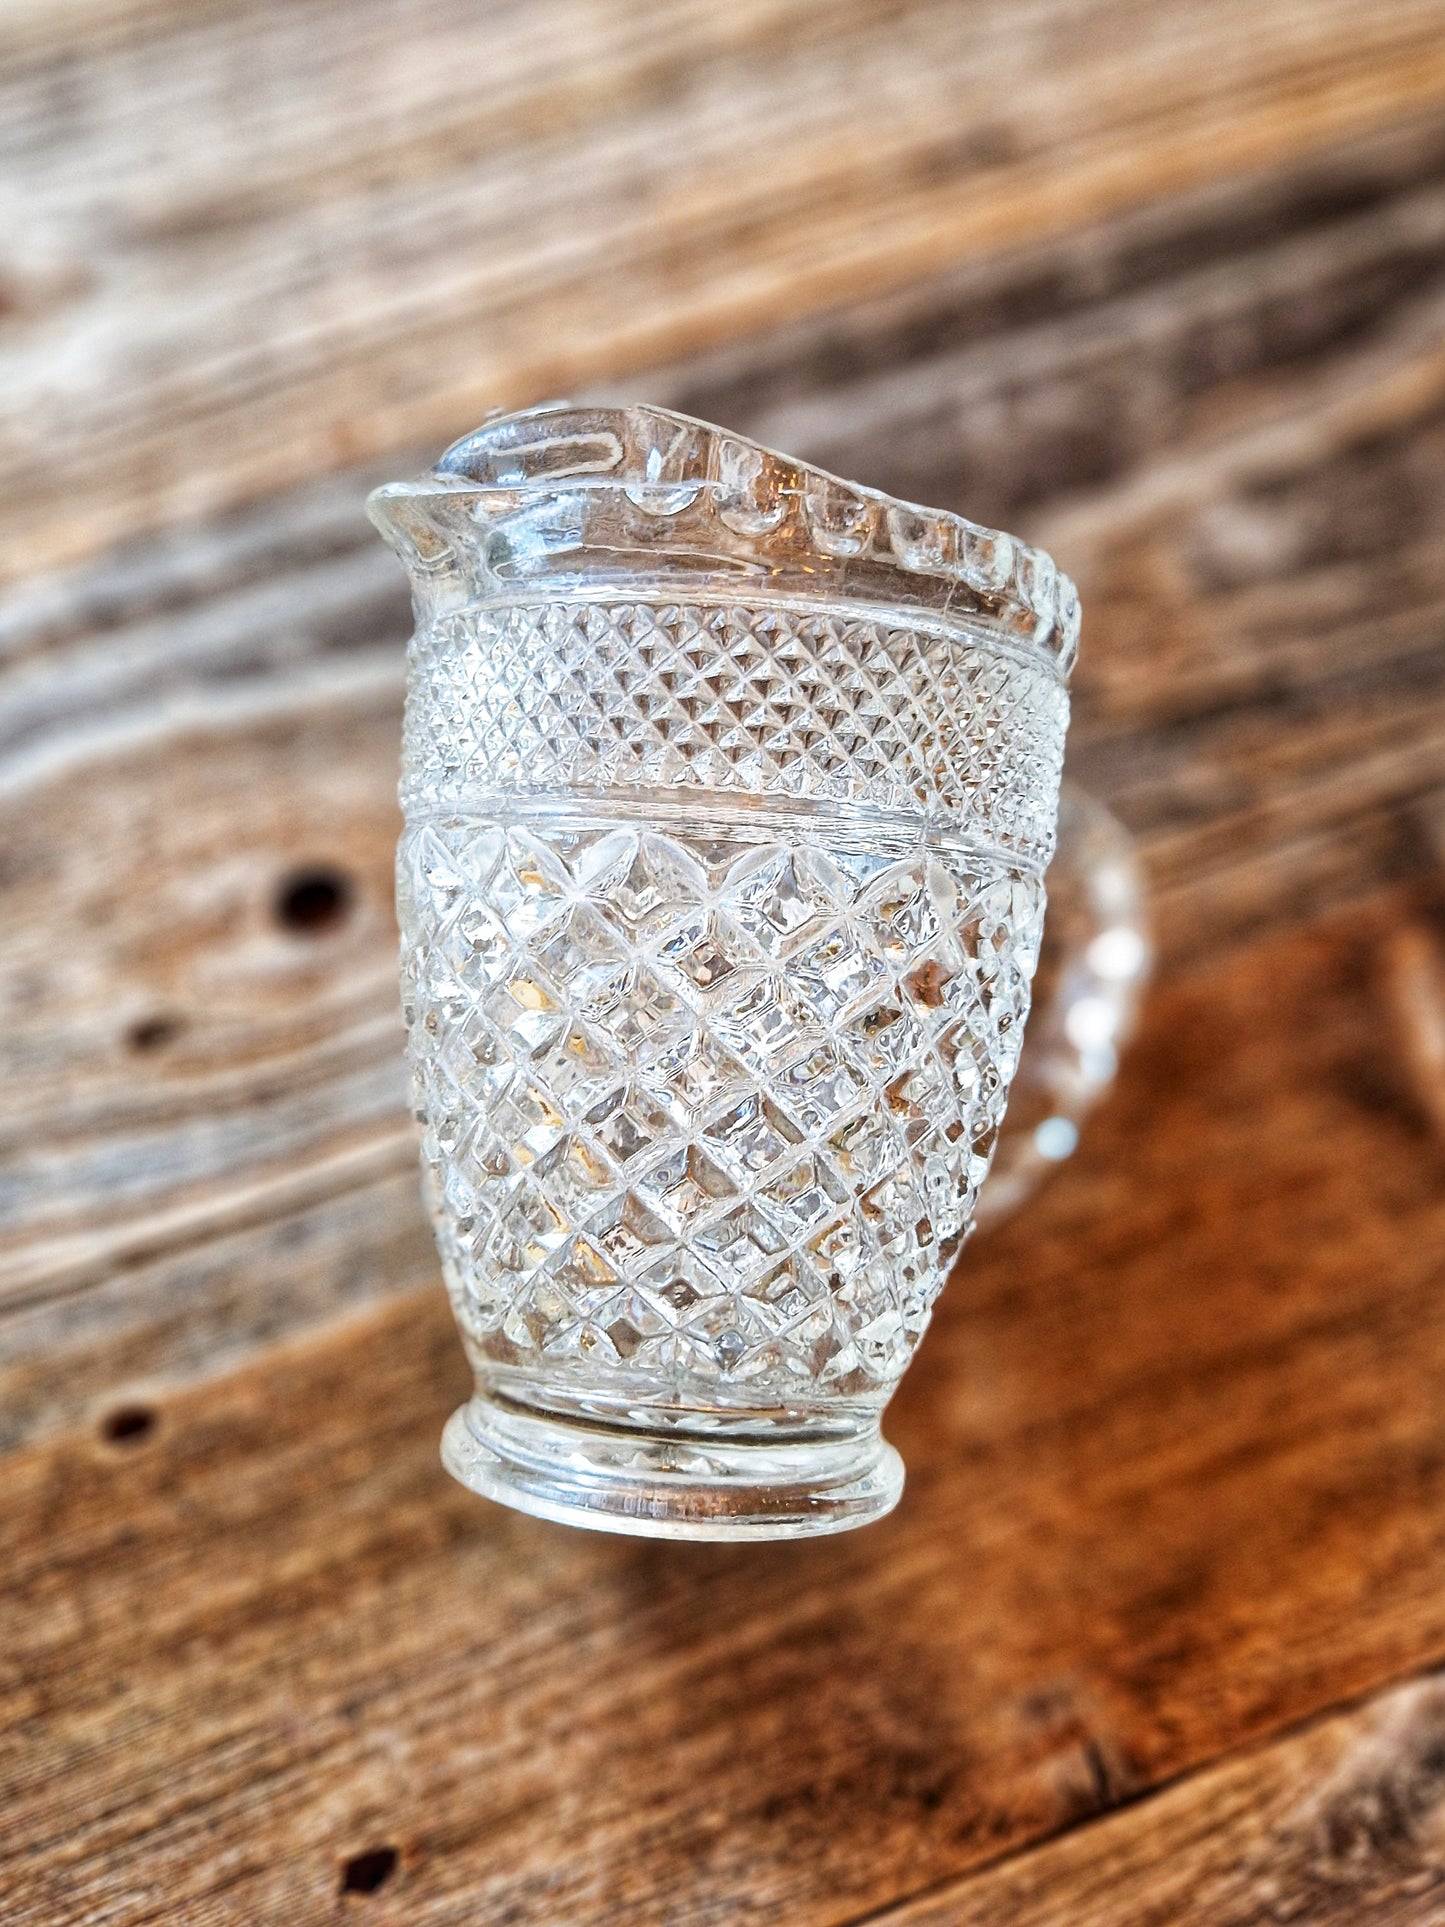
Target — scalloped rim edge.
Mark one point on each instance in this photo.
(745, 482)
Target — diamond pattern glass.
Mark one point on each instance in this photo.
(721, 895)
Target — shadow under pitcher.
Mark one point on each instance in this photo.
(729, 789)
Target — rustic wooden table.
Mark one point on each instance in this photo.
(1151, 1637)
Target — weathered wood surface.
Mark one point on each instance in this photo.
(1340, 1823)
(1262, 697)
(1176, 1483)
(248, 239)
(1161, 287)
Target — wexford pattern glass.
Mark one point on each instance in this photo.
(728, 794)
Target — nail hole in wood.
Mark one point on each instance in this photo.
(152, 1034)
(312, 902)
(128, 1424)
(368, 1872)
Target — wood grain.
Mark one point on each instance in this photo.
(180, 1074)
(1153, 1637)
(1177, 1481)
(215, 285)
(1342, 1822)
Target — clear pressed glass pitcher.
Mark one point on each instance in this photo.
(729, 788)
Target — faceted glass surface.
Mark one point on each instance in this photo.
(706, 1105)
(728, 797)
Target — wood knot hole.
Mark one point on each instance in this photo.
(152, 1034)
(128, 1424)
(369, 1871)
(312, 902)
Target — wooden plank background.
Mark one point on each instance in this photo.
(1153, 1635)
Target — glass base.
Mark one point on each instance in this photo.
(660, 1487)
